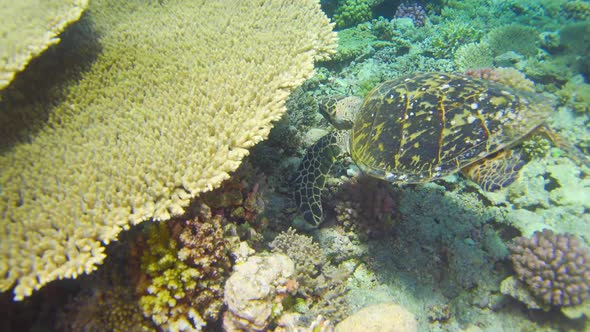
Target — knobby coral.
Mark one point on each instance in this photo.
(555, 267)
(414, 11)
(352, 12)
(177, 94)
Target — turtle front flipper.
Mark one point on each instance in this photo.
(497, 171)
(311, 178)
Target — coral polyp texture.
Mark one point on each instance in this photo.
(29, 27)
(555, 267)
(178, 92)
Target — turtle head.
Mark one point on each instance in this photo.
(340, 111)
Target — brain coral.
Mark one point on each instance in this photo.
(555, 267)
(178, 92)
(29, 27)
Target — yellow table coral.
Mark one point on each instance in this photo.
(29, 27)
(177, 93)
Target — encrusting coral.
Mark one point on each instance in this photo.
(254, 291)
(176, 95)
(555, 267)
(29, 27)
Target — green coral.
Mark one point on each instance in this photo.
(353, 43)
(186, 263)
(352, 12)
(449, 35)
(575, 95)
(515, 37)
(171, 278)
(577, 10)
(537, 146)
(473, 56)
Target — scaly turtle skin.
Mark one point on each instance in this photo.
(422, 127)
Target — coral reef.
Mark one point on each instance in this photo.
(105, 150)
(556, 267)
(306, 254)
(412, 10)
(29, 28)
(537, 146)
(186, 263)
(576, 95)
(448, 36)
(352, 12)
(576, 10)
(367, 207)
(321, 288)
(254, 292)
(103, 309)
(354, 44)
(473, 56)
(515, 37)
(507, 76)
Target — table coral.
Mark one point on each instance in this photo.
(176, 93)
(556, 267)
(29, 27)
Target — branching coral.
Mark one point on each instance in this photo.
(186, 262)
(177, 94)
(29, 27)
(472, 56)
(515, 37)
(449, 35)
(306, 254)
(575, 95)
(555, 267)
(320, 283)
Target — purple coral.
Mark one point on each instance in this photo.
(412, 10)
(555, 267)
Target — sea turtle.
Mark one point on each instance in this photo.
(422, 127)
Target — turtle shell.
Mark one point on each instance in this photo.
(418, 128)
